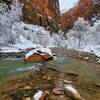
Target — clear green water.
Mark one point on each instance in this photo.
(86, 71)
(89, 74)
(14, 67)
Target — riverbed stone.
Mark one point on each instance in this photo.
(72, 93)
(27, 98)
(71, 72)
(98, 61)
(57, 91)
(67, 82)
(97, 85)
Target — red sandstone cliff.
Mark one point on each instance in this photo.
(41, 12)
(85, 8)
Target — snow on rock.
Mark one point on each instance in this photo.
(38, 95)
(40, 51)
(38, 55)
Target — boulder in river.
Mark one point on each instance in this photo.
(38, 55)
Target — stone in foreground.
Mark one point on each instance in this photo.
(38, 55)
(72, 92)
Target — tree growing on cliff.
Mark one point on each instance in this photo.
(80, 26)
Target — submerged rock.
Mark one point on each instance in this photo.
(57, 91)
(38, 55)
(72, 92)
(67, 82)
(86, 58)
(71, 72)
(27, 98)
(97, 85)
(98, 61)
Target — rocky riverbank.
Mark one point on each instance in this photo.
(61, 71)
(44, 79)
(86, 56)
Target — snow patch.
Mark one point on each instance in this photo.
(40, 51)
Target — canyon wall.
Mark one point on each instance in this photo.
(42, 12)
(85, 8)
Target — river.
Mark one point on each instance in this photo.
(88, 80)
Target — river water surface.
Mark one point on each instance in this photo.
(88, 80)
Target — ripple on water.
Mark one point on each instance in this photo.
(22, 69)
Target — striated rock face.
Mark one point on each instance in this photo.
(85, 8)
(41, 12)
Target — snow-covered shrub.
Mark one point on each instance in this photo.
(84, 37)
(36, 35)
(78, 33)
(7, 19)
(13, 32)
(32, 33)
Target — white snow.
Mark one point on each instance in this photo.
(45, 50)
(42, 50)
(71, 89)
(9, 49)
(30, 53)
(84, 37)
(38, 95)
(16, 36)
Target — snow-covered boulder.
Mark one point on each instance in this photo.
(38, 55)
